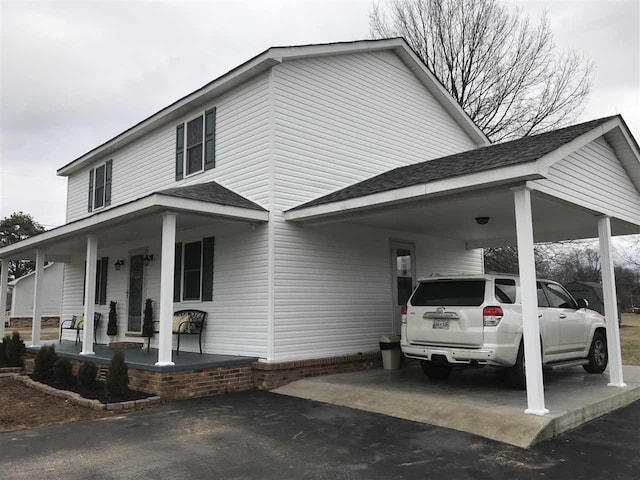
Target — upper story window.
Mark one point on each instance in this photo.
(195, 145)
(100, 186)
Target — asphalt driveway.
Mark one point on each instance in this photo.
(259, 435)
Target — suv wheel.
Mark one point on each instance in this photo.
(598, 355)
(435, 372)
(516, 375)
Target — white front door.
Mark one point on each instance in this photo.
(403, 273)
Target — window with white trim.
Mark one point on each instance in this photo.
(100, 186)
(193, 275)
(195, 144)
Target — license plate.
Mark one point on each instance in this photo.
(441, 324)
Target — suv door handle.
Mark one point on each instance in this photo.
(562, 315)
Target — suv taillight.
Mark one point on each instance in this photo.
(492, 316)
(403, 314)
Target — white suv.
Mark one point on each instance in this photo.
(477, 320)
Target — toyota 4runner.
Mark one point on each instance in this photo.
(476, 321)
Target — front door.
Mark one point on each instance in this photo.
(404, 278)
(136, 285)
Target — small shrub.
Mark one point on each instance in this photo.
(46, 357)
(117, 377)
(63, 370)
(87, 374)
(15, 350)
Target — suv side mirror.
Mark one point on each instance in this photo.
(582, 303)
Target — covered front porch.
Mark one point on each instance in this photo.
(163, 251)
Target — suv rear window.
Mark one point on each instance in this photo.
(455, 293)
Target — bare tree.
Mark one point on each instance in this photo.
(503, 70)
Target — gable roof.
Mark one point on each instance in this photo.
(211, 192)
(515, 152)
(261, 63)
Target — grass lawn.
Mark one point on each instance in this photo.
(630, 338)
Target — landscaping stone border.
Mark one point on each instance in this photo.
(86, 402)
(9, 371)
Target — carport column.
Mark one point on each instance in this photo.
(4, 275)
(610, 303)
(166, 288)
(36, 318)
(89, 295)
(529, 300)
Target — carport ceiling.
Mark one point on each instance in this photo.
(454, 217)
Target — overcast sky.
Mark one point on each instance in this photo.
(74, 74)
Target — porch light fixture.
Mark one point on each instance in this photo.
(119, 264)
(146, 260)
(482, 220)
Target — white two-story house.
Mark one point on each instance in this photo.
(298, 198)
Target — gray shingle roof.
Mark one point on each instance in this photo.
(212, 192)
(523, 150)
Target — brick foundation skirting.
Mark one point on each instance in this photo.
(272, 375)
(212, 381)
(23, 322)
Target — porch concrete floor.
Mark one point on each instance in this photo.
(475, 401)
(143, 360)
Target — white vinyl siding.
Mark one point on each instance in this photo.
(236, 318)
(342, 119)
(51, 299)
(339, 120)
(333, 285)
(594, 178)
(148, 165)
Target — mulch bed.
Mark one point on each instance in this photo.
(97, 392)
(24, 407)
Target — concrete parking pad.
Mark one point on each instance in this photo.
(474, 401)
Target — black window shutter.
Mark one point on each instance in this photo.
(207, 269)
(84, 282)
(104, 263)
(90, 190)
(177, 273)
(107, 182)
(179, 151)
(210, 139)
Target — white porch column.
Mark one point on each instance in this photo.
(610, 303)
(89, 295)
(36, 318)
(167, 264)
(4, 276)
(529, 299)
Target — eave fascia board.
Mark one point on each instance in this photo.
(568, 148)
(153, 203)
(447, 186)
(195, 206)
(360, 46)
(251, 68)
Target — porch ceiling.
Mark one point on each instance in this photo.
(453, 216)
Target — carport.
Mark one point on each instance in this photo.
(574, 183)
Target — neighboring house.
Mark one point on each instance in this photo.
(298, 198)
(22, 295)
(592, 292)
